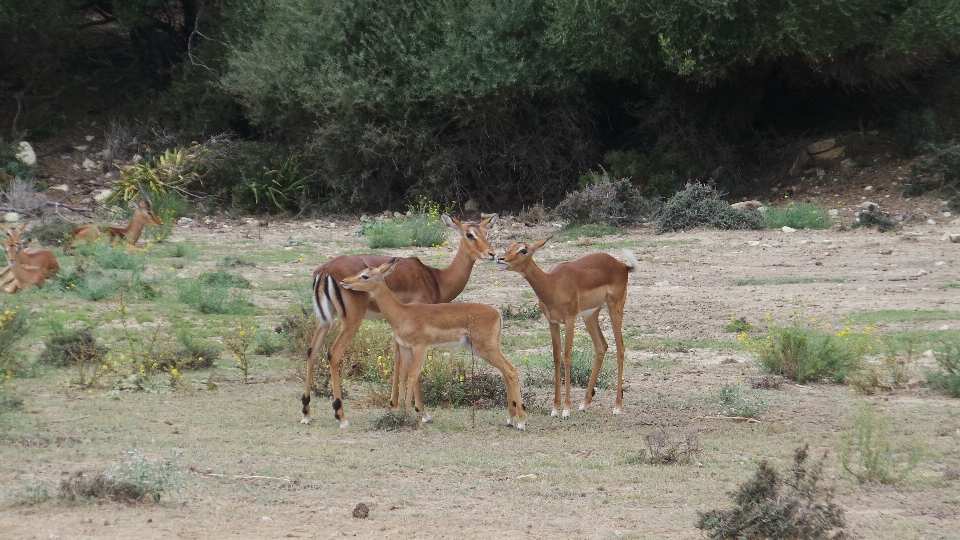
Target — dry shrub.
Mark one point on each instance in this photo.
(397, 421)
(665, 449)
(606, 200)
(77, 348)
(700, 205)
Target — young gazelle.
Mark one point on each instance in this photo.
(416, 327)
(576, 288)
(143, 216)
(411, 281)
(28, 266)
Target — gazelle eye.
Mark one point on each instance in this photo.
(522, 251)
(364, 276)
(470, 236)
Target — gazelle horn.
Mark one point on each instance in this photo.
(143, 193)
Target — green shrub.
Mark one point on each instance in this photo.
(798, 216)
(770, 505)
(448, 381)
(867, 454)
(111, 257)
(654, 175)
(937, 173)
(947, 378)
(699, 205)
(213, 299)
(52, 232)
(72, 347)
(13, 328)
(223, 278)
(9, 401)
(421, 226)
(735, 401)
(608, 201)
(738, 325)
(804, 355)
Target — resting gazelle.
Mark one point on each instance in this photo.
(27, 266)
(571, 289)
(416, 327)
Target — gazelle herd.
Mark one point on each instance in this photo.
(414, 299)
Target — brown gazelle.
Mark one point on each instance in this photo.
(571, 289)
(28, 266)
(416, 327)
(411, 281)
(143, 216)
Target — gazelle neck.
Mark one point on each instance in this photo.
(453, 279)
(133, 231)
(390, 307)
(540, 281)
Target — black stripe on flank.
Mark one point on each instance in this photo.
(316, 295)
(336, 289)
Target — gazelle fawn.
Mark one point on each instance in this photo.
(416, 327)
(571, 289)
(410, 281)
(28, 266)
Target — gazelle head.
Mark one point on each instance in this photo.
(144, 209)
(474, 237)
(12, 244)
(370, 278)
(519, 254)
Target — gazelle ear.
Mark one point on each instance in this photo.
(384, 269)
(489, 221)
(453, 223)
(540, 244)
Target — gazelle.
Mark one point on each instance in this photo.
(143, 216)
(411, 281)
(416, 327)
(28, 266)
(571, 289)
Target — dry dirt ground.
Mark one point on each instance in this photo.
(253, 471)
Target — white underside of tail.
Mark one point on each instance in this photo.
(632, 262)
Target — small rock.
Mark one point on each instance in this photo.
(833, 153)
(833, 212)
(61, 187)
(931, 221)
(81, 148)
(11, 217)
(848, 164)
(184, 221)
(867, 205)
(361, 511)
(89, 138)
(820, 173)
(955, 238)
(102, 195)
(947, 214)
(788, 229)
(754, 242)
(266, 518)
(25, 154)
(746, 205)
(88, 164)
(472, 205)
(527, 477)
(821, 146)
(868, 188)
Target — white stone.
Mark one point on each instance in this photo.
(947, 214)
(955, 238)
(931, 222)
(472, 205)
(184, 221)
(81, 148)
(867, 205)
(788, 229)
(102, 195)
(868, 188)
(89, 138)
(11, 217)
(89, 164)
(754, 242)
(61, 187)
(940, 263)
(833, 212)
(26, 155)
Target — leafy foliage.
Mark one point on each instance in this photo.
(700, 205)
(603, 200)
(771, 505)
(72, 347)
(805, 354)
(798, 216)
(732, 400)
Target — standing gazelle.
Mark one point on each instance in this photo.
(416, 327)
(576, 288)
(28, 266)
(411, 281)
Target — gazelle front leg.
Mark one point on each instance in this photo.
(592, 322)
(569, 327)
(616, 321)
(557, 366)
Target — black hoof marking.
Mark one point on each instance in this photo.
(416, 409)
(523, 407)
(309, 351)
(306, 404)
(392, 405)
(593, 392)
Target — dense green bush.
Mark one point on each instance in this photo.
(806, 354)
(798, 216)
(72, 347)
(699, 205)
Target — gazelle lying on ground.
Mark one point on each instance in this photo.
(411, 281)
(416, 327)
(143, 216)
(28, 266)
(576, 288)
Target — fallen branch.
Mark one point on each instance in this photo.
(739, 418)
(250, 477)
(66, 420)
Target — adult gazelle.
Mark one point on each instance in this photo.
(417, 327)
(571, 289)
(27, 266)
(410, 281)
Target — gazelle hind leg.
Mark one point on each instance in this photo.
(592, 323)
(348, 330)
(557, 364)
(569, 326)
(494, 356)
(312, 351)
(616, 321)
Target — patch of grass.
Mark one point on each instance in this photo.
(773, 505)
(512, 312)
(540, 371)
(421, 226)
(900, 315)
(867, 454)
(874, 217)
(138, 479)
(573, 231)
(181, 250)
(798, 216)
(666, 449)
(396, 421)
(952, 286)
(448, 380)
(732, 400)
(785, 281)
(806, 354)
(212, 299)
(13, 328)
(223, 278)
(110, 257)
(738, 325)
(947, 379)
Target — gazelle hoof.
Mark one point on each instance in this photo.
(566, 414)
(616, 411)
(425, 418)
(554, 413)
(521, 426)
(344, 424)
(583, 406)
(305, 420)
